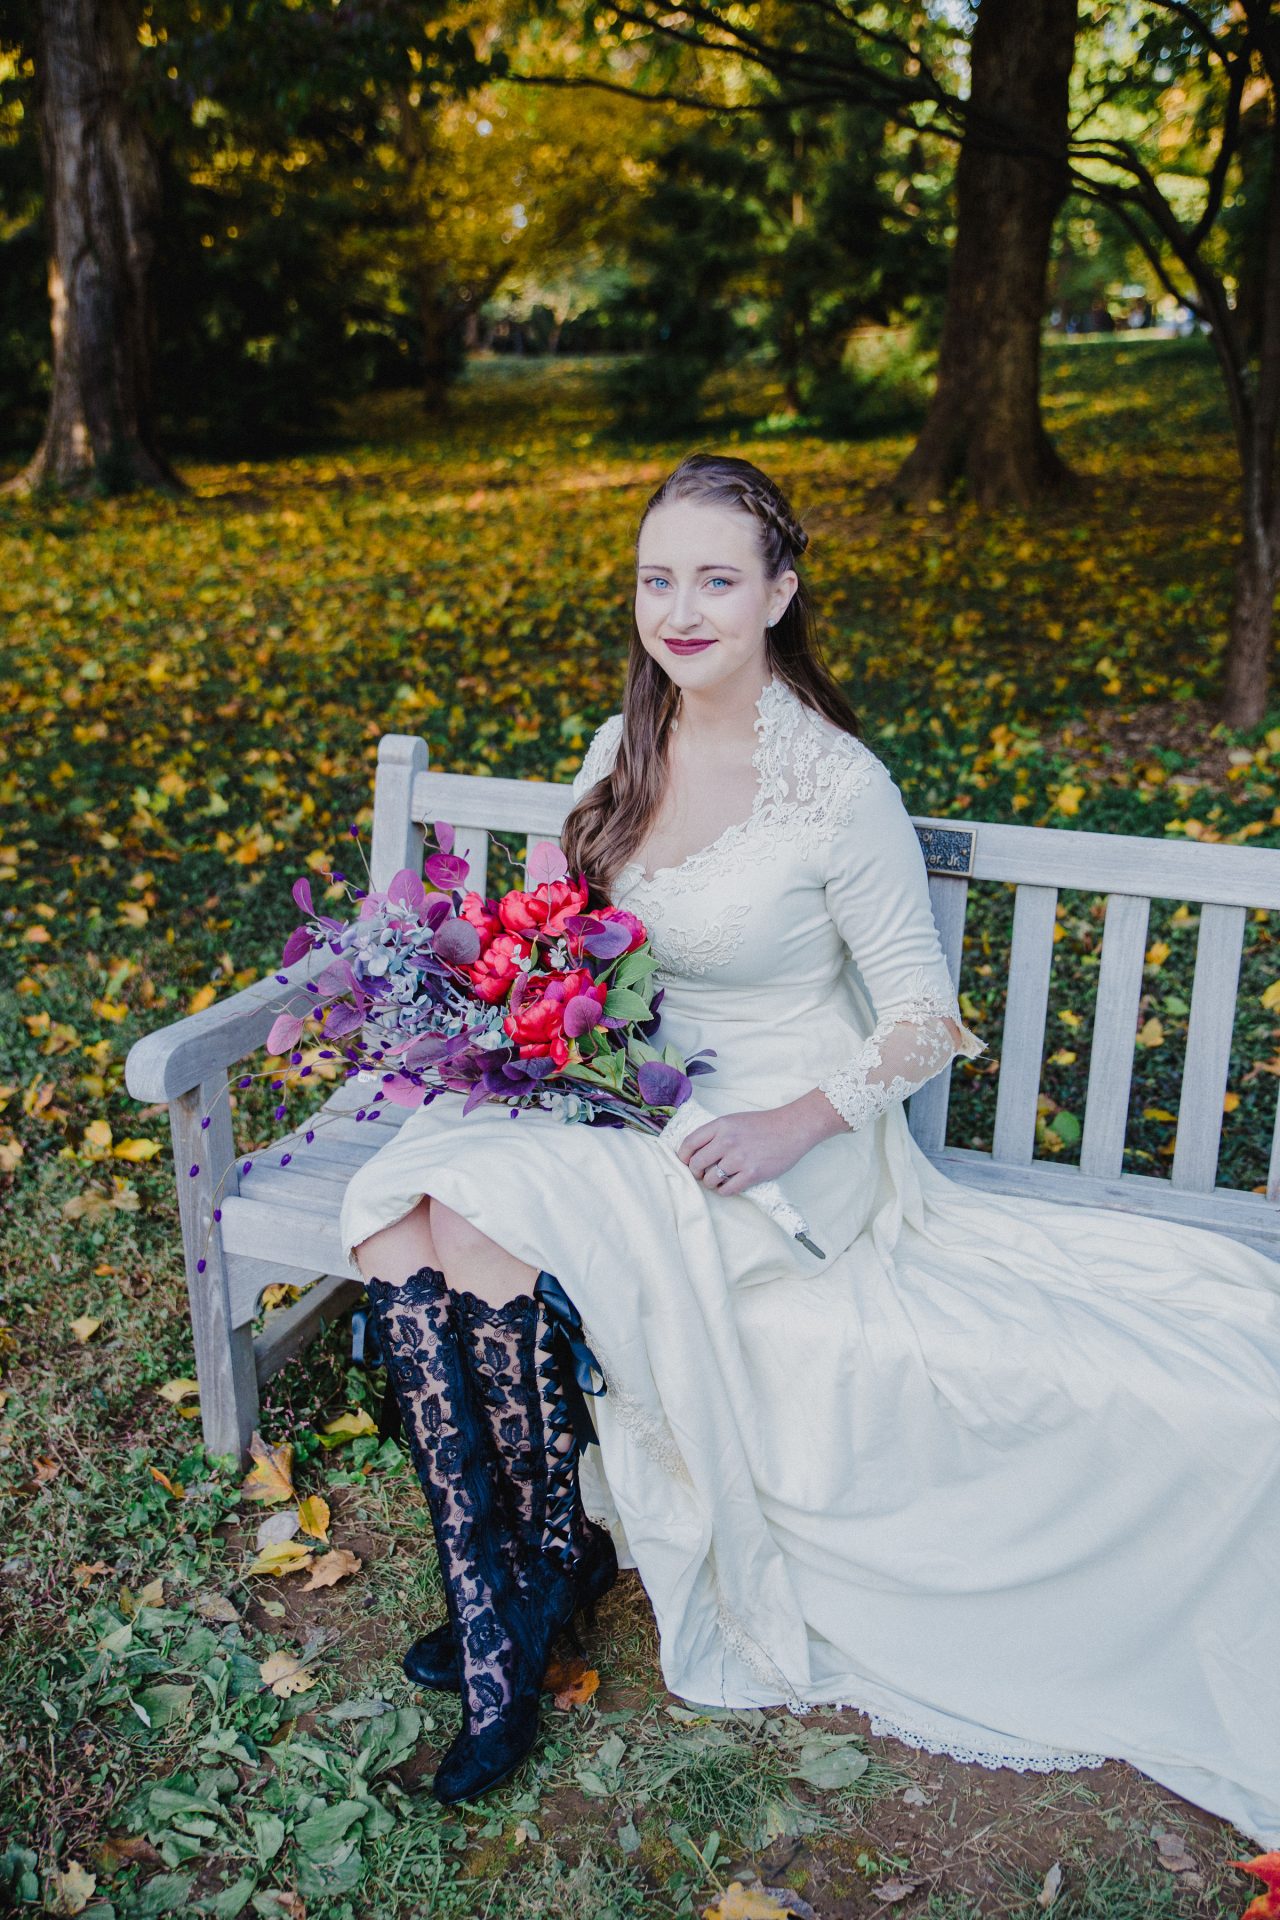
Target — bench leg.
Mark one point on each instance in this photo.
(224, 1354)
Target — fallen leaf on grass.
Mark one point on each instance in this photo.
(72, 1889)
(1052, 1884)
(275, 1528)
(87, 1571)
(571, 1681)
(742, 1902)
(313, 1517)
(281, 1557)
(1173, 1853)
(332, 1567)
(46, 1469)
(152, 1595)
(85, 1327)
(1267, 1868)
(890, 1890)
(284, 1673)
(175, 1390)
(271, 1477)
(347, 1426)
(174, 1487)
(214, 1606)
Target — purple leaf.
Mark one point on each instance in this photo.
(284, 1033)
(458, 942)
(402, 1092)
(302, 895)
(342, 1019)
(438, 910)
(444, 835)
(662, 1085)
(298, 943)
(406, 890)
(581, 1014)
(445, 870)
(611, 940)
(545, 862)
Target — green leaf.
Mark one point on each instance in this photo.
(268, 1834)
(829, 1761)
(623, 1003)
(164, 1702)
(322, 1833)
(1066, 1126)
(232, 1900)
(165, 1893)
(390, 1740)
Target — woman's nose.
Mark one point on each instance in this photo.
(687, 611)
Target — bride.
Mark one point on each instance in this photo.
(1002, 1474)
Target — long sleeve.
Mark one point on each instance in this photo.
(877, 892)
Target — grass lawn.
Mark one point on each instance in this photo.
(197, 688)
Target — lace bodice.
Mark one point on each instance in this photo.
(827, 822)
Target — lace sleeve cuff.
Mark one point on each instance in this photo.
(910, 1043)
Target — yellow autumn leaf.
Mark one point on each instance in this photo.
(110, 1010)
(271, 1477)
(1069, 798)
(136, 1150)
(1064, 1057)
(97, 1140)
(175, 1390)
(1159, 1113)
(1230, 1101)
(202, 997)
(173, 1487)
(1151, 1033)
(332, 1567)
(281, 1557)
(313, 1517)
(1157, 953)
(72, 1887)
(85, 1327)
(284, 1673)
(1068, 1018)
(37, 935)
(347, 1426)
(740, 1902)
(1271, 997)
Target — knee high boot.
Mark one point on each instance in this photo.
(519, 1366)
(502, 1641)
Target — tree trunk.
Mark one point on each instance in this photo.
(102, 196)
(984, 423)
(1246, 666)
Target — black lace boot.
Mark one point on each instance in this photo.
(501, 1638)
(518, 1358)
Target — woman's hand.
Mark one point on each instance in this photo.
(751, 1146)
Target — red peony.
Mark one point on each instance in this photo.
(537, 1025)
(545, 910)
(482, 915)
(498, 964)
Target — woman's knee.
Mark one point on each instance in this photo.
(453, 1234)
(394, 1252)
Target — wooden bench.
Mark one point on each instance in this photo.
(280, 1223)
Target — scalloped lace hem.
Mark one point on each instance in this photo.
(928, 1739)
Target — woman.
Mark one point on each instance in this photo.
(1002, 1474)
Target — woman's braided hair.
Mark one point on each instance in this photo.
(609, 822)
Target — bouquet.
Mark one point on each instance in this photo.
(529, 999)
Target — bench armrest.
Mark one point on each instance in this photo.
(175, 1059)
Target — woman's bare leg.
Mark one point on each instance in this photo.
(433, 1235)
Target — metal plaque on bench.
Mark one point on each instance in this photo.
(948, 849)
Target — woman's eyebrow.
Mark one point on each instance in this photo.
(650, 566)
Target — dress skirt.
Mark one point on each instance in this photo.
(1002, 1474)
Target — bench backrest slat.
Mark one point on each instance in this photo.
(1115, 1021)
(949, 896)
(1204, 1072)
(1026, 1009)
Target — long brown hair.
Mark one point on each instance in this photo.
(608, 823)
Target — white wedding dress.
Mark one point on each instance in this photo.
(1003, 1474)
